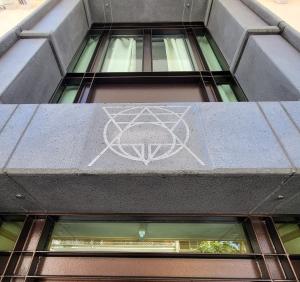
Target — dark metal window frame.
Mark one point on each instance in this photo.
(265, 241)
(206, 79)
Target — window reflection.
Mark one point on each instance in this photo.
(170, 53)
(124, 54)
(290, 236)
(226, 238)
(9, 232)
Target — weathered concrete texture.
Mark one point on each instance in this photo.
(269, 69)
(292, 36)
(55, 139)
(147, 10)
(121, 158)
(240, 138)
(285, 128)
(292, 110)
(13, 131)
(263, 12)
(9, 202)
(284, 200)
(67, 24)
(229, 20)
(119, 193)
(5, 114)
(8, 40)
(28, 61)
(173, 135)
(38, 14)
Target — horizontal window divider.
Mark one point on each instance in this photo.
(147, 255)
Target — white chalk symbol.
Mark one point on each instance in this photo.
(146, 133)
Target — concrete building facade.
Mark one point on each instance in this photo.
(150, 140)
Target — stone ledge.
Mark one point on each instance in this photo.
(236, 158)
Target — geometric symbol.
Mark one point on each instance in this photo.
(146, 133)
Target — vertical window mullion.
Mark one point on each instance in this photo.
(147, 56)
(100, 53)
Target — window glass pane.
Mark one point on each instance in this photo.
(147, 93)
(290, 236)
(209, 54)
(86, 55)
(69, 94)
(124, 54)
(149, 237)
(227, 93)
(170, 53)
(9, 232)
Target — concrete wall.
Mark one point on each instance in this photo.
(225, 158)
(29, 72)
(262, 50)
(147, 10)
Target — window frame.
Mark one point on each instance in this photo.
(260, 229)
(208, 80)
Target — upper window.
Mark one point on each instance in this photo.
(209, 54)
(170, 53)
(86, 55)
(223, 238)
(124, 54)
(148, 64)
(290, 236)
(9, 233)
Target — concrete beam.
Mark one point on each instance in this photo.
(219, 158)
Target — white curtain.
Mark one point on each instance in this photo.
(121, 56)
(178, 58)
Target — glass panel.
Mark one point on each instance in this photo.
(170, 53)
(9, 232)
(147, 93)
(227, 93)
(290, 236)
(69, 94)
(210, 56)
(86, 55)
(124, 54)
(149, 237)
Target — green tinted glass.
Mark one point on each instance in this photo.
(226, 92)
(86, 55)
(170, 53)
(124, 54)
(9, 233)
(149, 237)
(69, 94)
(290, 236)
(210, 56)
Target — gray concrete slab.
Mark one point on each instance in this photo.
(147, 10)
(8, 200)
(55, 139)
(292, 110)
(14, 129)
(291, 35)
(6, 112)
(229, 20)
(263, 12)
(146, 138)
(24, 77)
(269, 69)
(67, 24)
(8, 40)
(120, 158)
(119, 193)
(241, 140)
(284, 200)
(285, 129)
(38, 14)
